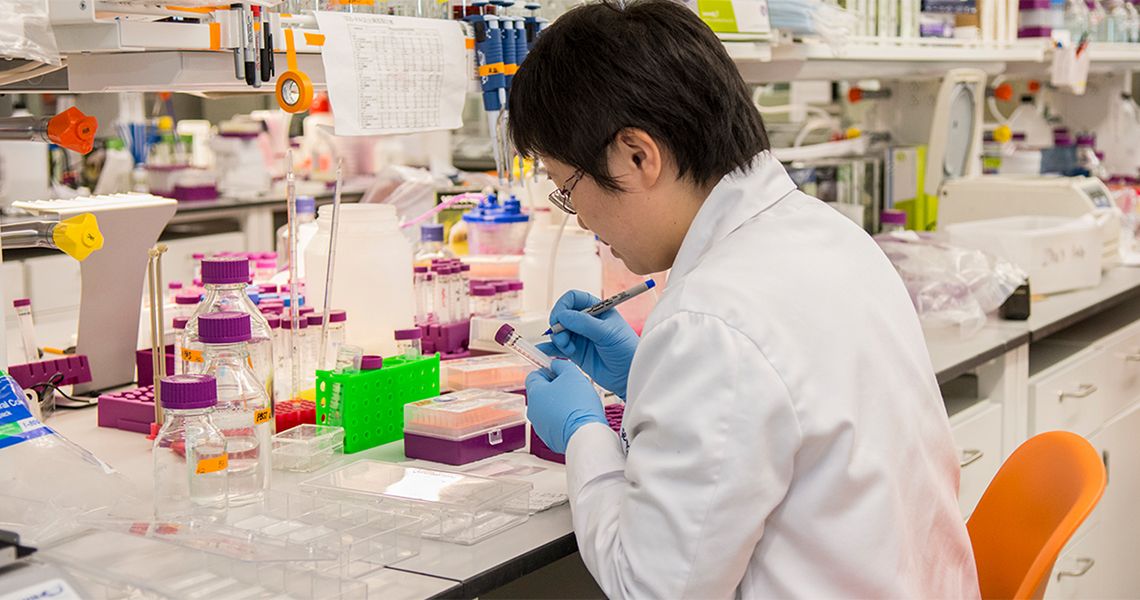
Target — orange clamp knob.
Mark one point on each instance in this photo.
(854, 95)
(1003, 92)
(1034, 86)
(73, 130)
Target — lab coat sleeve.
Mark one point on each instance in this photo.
(712, 437)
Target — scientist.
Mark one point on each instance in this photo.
(784, 435)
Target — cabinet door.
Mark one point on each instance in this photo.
(1118, 508)
(1080, 570)
(977, 433)
(1072, 397)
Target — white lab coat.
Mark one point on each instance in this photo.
(784, 435)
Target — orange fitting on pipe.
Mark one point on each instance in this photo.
(1003, 92)
(73, 130)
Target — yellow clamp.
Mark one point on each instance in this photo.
(294, 88)
(1003, 134)
(78, 236)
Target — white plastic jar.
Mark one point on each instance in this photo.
(577, 266)
(372, 278)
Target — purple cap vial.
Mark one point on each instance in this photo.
(225, 270)
(287, 322)
(315, 320)
(371, 362)
(180, 322)
(224, 328)
(188, 392)
(503, 335)
(21, 302)
(338, 315)
(187, 298)
(414, 333)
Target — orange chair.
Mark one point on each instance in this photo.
(1037, 500)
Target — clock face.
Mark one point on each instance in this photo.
(960, 127)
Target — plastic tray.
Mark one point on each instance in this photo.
(305, 530)
(498, 372)
(306, 448)
(458, 508)
(137, 566)
(369, 405)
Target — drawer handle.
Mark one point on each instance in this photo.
(1085, 565)
(1134, 357)
(1084, 391)
(970, 457)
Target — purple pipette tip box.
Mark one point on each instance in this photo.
(461, 452)
(504, 334)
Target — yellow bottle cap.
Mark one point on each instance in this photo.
(78, 236)
(852, 133)
(165, 123)
(1002, 134)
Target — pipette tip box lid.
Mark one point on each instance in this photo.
(499, 371)
(457, 507)
(465, 426)
(306, 448)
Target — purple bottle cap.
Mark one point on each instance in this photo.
(268, 288)
(464, 268)
(502, 286)
(224, 328)
(225, 270)
(198, 256)
(371, 362)
(19, 302)
(1086, 139)
(187, 392)
(516, 286)
(896, 217)
(266, 264)
(315, 320)
(483, 290)
(306, 310)
(269, 255)
(337, 315)
(504, 333)
(174, 285)
(287, 322)
(180, 322)
(274, 321)
(420, 269)
(187, 298)
(414, 333)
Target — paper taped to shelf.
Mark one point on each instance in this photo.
(389, 75)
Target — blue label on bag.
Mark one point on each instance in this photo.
(16, 422)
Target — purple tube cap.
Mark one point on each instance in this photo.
(18, 302)
(504, 333)
(287, 322)
(224, 328)
(186, 392)
(306, 310)
(227, 269)
(420, 269)
(371, 362)
(414, 333)
(274, 321)
(315, 320)
(337, 315)
(187, 298)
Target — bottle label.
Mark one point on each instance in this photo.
(261, 416)
(16, 422)
(212, 465)
(189, 355)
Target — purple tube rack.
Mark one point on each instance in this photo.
(614, 414)
(145, 367)
(461, 452)
(74, 369)
(130, 410)
(449, 340)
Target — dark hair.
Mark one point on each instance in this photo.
(652, 65)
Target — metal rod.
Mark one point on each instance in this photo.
(160, 302)
(294, 297)
(154, 342)
(322, 355)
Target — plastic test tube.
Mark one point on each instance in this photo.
(408, 342)
(419, 284)
(27, 329)
(511, 340)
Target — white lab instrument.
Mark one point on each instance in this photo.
(112, 279)
(558, 257)
(996, 196)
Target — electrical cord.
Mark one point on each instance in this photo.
(52, 386)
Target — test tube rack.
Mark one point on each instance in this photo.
(129, 410)
(614, 414)
(144, 368)
(369, 405)
(74, 368)
(293, 413)
(450, 340)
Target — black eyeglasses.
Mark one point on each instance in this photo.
(561, 196)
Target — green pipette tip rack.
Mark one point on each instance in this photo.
(369, 405)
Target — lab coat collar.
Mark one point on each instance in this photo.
(739, 196)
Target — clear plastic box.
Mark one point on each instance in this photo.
(305, 530)
(136, 566)
(456, 507)
(460, 414)
(498, 372)
(306, 448)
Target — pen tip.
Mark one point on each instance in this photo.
(649, 283)
(548, 332)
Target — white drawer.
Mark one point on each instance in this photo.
(977, 434)
(1074, 396)
(1080, 569)
(1122, 370)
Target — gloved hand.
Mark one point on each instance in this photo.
(557, 407)
(603, 346)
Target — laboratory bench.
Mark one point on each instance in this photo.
(988, 385)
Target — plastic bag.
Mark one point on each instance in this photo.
(48, 482)
(812, 17)
(25, 32)
(950, 286)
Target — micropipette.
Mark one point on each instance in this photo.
(508, 338)
(610, 302)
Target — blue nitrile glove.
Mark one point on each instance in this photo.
(557, 407)
(603, 346)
